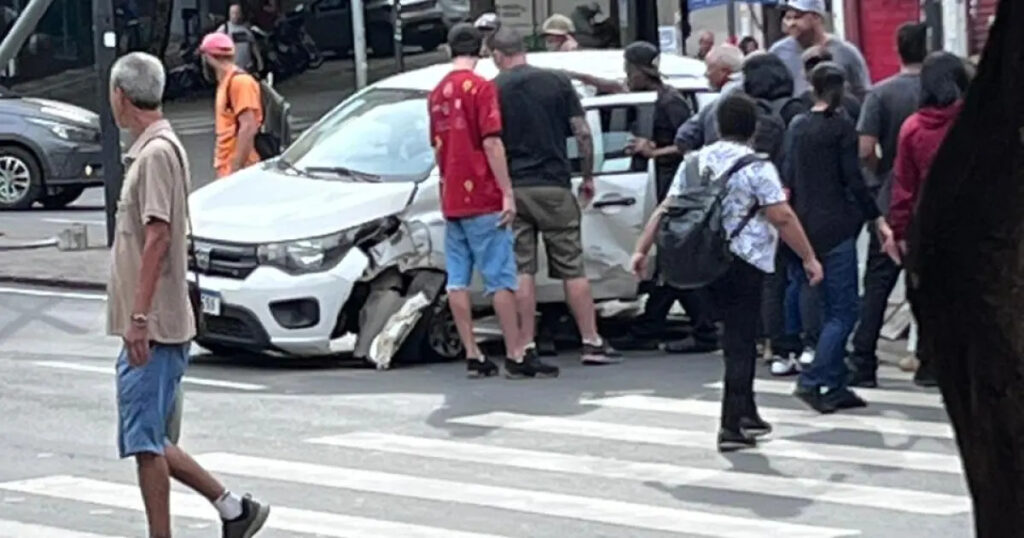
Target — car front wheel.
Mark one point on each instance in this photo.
(435, 337)
(21, 180)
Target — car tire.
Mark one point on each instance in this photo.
(21, 178)
(431, 44)
(381, 38)
(62, 198)
(434, 339)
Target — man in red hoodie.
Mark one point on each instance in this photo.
(944, 81)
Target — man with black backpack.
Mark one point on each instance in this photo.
(727, 209)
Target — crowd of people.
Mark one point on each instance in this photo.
(836, 156)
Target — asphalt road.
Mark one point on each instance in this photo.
(618, 451)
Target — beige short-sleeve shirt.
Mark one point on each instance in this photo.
(155, 186)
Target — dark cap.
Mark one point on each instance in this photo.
(643, 56)
(465, 40)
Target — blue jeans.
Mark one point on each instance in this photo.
(146, 397)
(839, 310)
(478, 242)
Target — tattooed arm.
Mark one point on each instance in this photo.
(585, 143)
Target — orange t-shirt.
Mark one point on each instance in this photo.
(237, 93)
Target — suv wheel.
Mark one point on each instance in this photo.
(21, 179)
(62, 197)
(381, 38)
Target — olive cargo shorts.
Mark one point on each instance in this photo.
(554, 213)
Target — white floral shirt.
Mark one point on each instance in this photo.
(755, 185)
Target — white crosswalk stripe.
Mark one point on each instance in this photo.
(14, 529)
(524, 500)
(899, 459)
(850, 494)
(899, 426)
(561, 449)
(879, 396)
(193, 506)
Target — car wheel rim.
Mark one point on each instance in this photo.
(443, 335)
(15, 179)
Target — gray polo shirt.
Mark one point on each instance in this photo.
(791, 53)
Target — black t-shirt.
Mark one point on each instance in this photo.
(670, 112)
(536, 108)
(805, 102)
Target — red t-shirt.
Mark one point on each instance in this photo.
(463, 112)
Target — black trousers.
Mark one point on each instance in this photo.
(697, 303)
(738, 295)
(879, 280)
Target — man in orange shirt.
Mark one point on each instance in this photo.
(238, 107)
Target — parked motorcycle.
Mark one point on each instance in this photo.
(293, 48)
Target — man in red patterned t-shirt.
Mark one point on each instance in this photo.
(476, 200)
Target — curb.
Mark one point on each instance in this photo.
(44, 243)
(54, 282)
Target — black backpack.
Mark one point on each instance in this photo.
(770, 133)
(693, 247)
(269, 141)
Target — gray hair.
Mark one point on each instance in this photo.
(141, 77)
(507, 41)
(726, 55)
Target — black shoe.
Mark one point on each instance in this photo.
(254, 515)
(546, 347)
(812, 396)
(731, 441)
(633, 343)
(530, 366)
(925, 376)
(482, 367)
(844, 398)
(755, 427)
(691, 345)
(862, 377)
(599, 355)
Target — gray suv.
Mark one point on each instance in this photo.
(49, 152)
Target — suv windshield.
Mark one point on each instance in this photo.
(382, 133)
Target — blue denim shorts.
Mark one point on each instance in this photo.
(478, 242)
(146, 399)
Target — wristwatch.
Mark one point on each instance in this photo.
(140, 319)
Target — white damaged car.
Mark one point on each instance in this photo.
(319, 250)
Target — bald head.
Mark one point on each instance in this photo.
(705, 40)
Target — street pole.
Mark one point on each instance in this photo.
(105, 51)
(399, 42)
(359, 43)
(23, 27)
(731, 11)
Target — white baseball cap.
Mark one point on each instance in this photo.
(806, 6)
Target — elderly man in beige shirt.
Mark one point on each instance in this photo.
(149, 307)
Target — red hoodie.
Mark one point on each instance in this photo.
(919, 141)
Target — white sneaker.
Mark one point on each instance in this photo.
(807, 357)
(783, 366)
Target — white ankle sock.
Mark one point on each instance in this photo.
(229, 505)
(596, 343)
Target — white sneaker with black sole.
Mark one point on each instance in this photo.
(784, 366)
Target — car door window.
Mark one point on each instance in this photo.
(613, 128)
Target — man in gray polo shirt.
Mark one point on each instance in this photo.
(805, 23)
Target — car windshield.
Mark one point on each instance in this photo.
(379, 135)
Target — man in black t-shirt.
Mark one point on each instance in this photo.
(540, 111)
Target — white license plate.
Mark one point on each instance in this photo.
(211, 303)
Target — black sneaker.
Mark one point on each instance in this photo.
(755, 427)
(631, 342)
(731, 441)
(844, 398)
(863, 378)
(531, 366)
(598, 355)
(812, 396)
(925, 375)
(691, 345)
(482, 367)
(254, 515)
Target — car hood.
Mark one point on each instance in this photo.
(51, 110)
(260, 205)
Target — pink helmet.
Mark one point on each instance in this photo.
(217, 44)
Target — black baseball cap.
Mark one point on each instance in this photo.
(465, 40)
(643, 56)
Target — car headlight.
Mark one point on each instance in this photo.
(67, 132)
(319, 253)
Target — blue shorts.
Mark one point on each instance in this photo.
(146, 399)
(478, 242)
